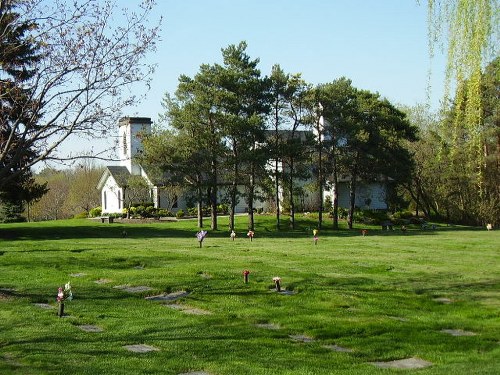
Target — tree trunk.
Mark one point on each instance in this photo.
(213, 196)
(335, 200)
(292, 204)
(251, 190)
(200, 204)
(352, 197)
(320, 183)
(277, 192)
(232, 206)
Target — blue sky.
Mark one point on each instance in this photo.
(381, 45)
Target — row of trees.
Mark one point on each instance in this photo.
(70, 192)
(454, 179)
(228, 122)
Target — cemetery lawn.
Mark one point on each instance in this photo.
(348, 301)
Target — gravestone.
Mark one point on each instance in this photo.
(141, 348)
(337, 348)
(301, 338)
(408, 363)
(458, 332)
(168, 297)
(134, 289)
(90, 328)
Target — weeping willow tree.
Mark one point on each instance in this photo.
(469, 32)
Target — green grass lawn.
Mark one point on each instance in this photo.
(386, 296)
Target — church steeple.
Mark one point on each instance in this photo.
(130, 143)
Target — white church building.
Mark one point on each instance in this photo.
(114, 181)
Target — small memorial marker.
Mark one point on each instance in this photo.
(90, 328)
(134, 289)
(337, 348)
(443, 300)
(45, 306)
(271, 326)
(301, 338)
(168, 297)
(408, 363)
(398, 318)
(188, 309)
(458, 332)
(141, 348)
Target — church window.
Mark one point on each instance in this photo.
(124, 141)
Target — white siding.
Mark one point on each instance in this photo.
(364, 192)
(111, 196)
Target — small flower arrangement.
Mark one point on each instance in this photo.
(315, 236)
(201, 236)
(233, 235)
(251, 234)
(62, 296)
(364, 232)
(277, 283)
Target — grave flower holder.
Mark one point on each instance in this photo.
(63, 295)
(250, 235)
(233, 235)
(60, 310)
(277, 283)
(245, 276)
(201, 236)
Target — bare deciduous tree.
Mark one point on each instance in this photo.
(91, 55)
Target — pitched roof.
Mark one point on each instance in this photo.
(119, 173)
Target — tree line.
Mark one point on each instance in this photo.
(230, 128)
(64, 69)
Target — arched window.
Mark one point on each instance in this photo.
(124, 141)
(119, 199)
(105, 200)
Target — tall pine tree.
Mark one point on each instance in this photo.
(18, 110)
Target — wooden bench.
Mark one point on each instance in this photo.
(387, 225)
(107, 219)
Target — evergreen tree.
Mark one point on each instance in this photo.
(18, 109)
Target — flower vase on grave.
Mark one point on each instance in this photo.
(60, 311)
(201, 236)
(245, 276)
(277, 283)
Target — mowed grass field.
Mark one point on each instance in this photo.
(350, 300)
